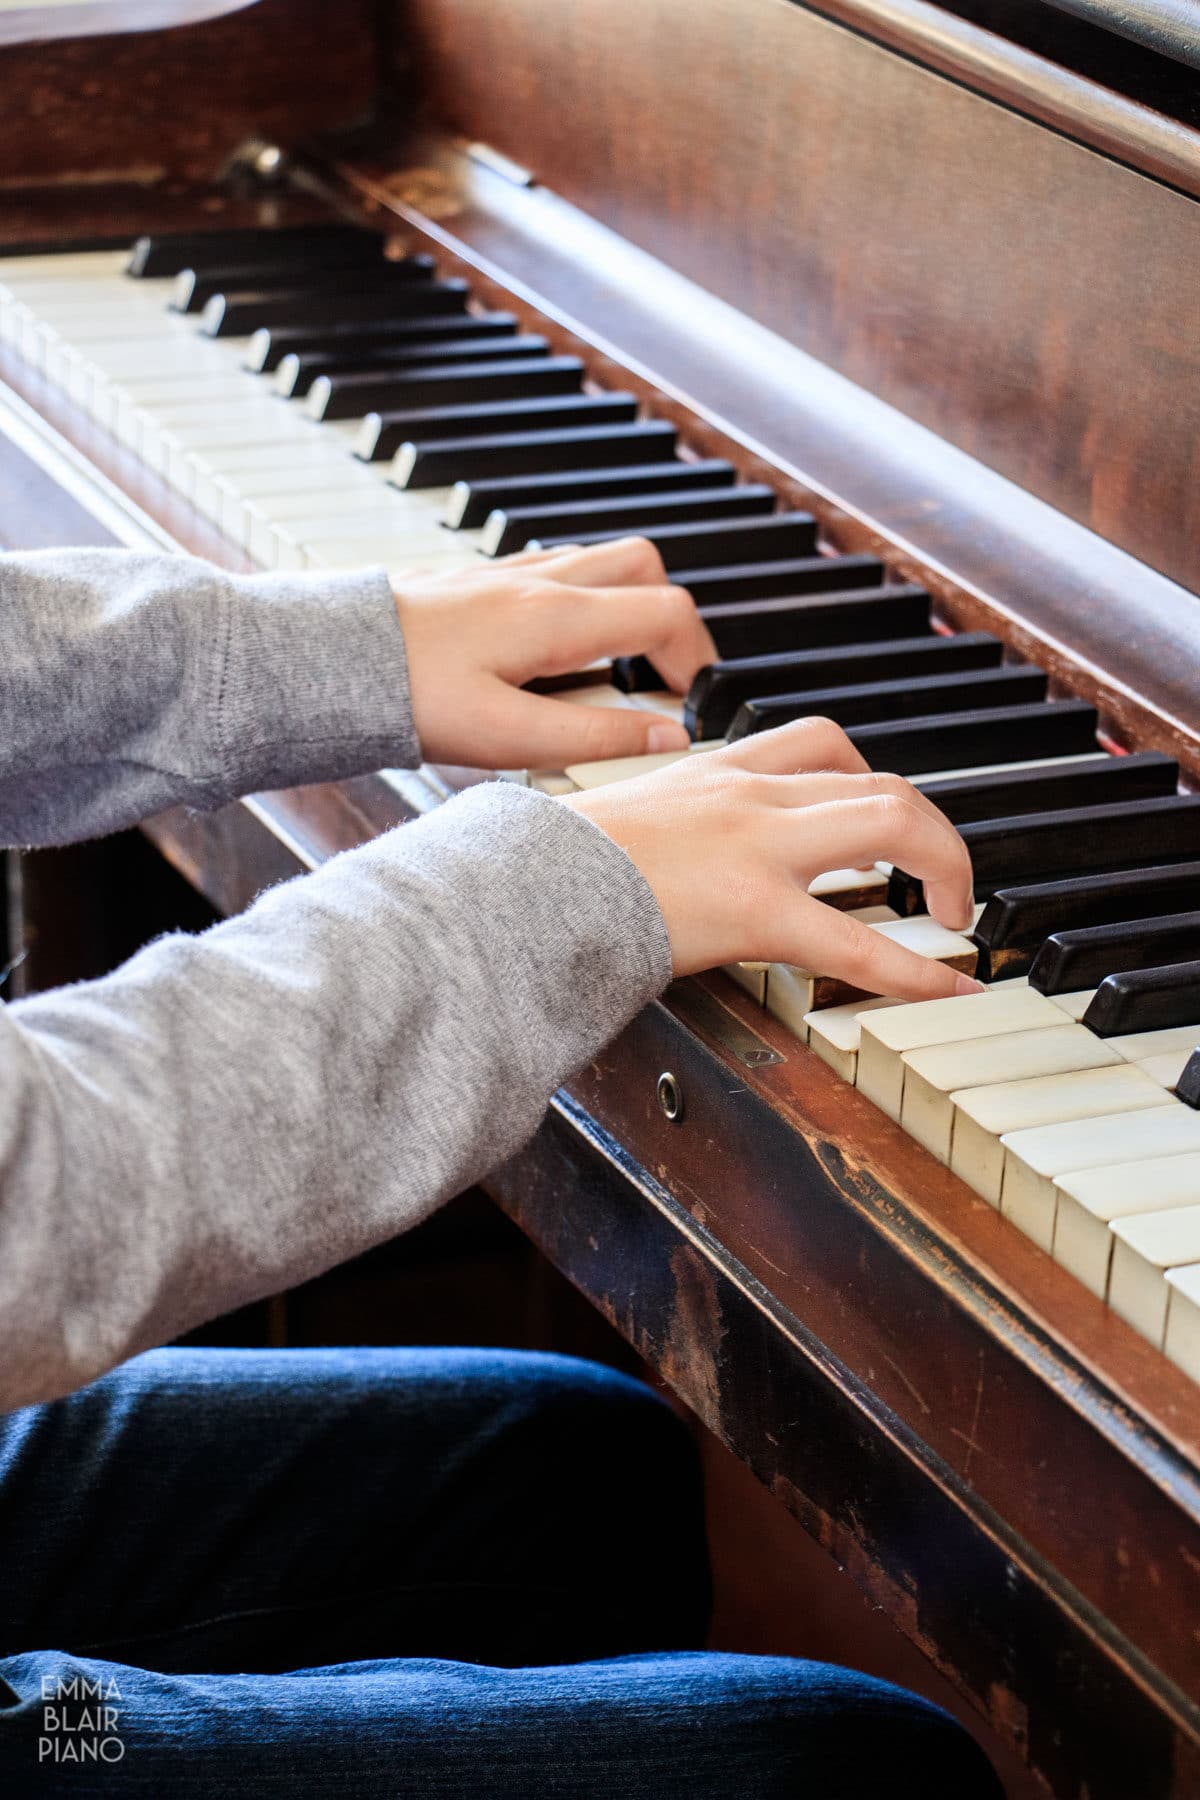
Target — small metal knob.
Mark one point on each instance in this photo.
(670, 1097)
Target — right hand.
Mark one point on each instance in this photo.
(729, 841)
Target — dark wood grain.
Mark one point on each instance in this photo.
(1021, 295)
(151, 105)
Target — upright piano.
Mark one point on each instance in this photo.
(883, 320)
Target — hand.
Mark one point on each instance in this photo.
(474, 639)
(730, 840)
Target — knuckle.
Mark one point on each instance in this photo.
(648, 560)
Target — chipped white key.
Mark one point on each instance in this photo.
(1035, 1159)
(1090, 1199)
(1182, 1339)
(933, 1075)
(834, 1033)
(1145, 1248)
(984, 1116)
(916, 1026)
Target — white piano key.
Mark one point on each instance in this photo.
(1182, 1340)
(1137, 1046)
(1074, 1004)
(985, 1116)
(1166, 1069)
(834, 1033)
(1144, 1249)
(1090, 1199)
(916, 1026)
(934, 1075)
(1034, 1159)
(751, 977)
(849, 889)
(397, 552)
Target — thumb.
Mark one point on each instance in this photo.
(551, 733)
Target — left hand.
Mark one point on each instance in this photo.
(475, 638)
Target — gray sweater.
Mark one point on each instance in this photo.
(230, 1114)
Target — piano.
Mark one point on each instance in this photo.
(883, 320)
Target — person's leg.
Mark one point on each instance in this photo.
(267, 1510)
(688, 1727)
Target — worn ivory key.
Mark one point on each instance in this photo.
(984, 1115)
(1145, 1248)
(1090, 1199)
(833, 1033)
(1182, 1340)
(887, 1035)
(1034, 1159)
(1166, 1069)
(932, 1076)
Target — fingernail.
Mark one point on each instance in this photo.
(666, 737)
(967, 984)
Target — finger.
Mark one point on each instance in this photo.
(841, 946)
(805, 744)
(658, 622)
(522, 558)
(622, 560)
(824, 785)
(852, 834)
(549, 733)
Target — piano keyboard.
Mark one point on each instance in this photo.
(327, 408)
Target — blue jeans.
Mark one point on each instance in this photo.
(399, 1572)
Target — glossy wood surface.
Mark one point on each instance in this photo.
(1023, 296)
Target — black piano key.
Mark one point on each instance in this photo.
(296, 374)
(446, 460)
(364, 336)
(869, 703)
(1054, 787)
(851, 660)
(192, 289)
(1053, 846)
(473, 502)
(750, 628)
(506, 531)
(1187, 1088)
(995, 734)
(238, 314)
(1017, 920)
(684, 547)
(383, 433)
(1145, 1000)
(1069, 960)
(165, 253)
(793, 577)
(442, 384)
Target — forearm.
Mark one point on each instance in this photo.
(231, 1114)
(131, 683)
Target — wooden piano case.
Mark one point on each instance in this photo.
(946, 297)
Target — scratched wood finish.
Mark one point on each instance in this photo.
(150, 105)
(1021, 295)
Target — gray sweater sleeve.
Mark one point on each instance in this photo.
(229, 1114)
(130, 683)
